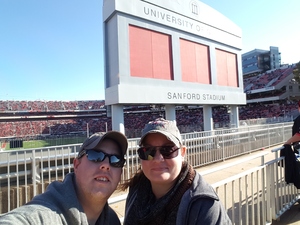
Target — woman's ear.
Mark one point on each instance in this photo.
(183, 151)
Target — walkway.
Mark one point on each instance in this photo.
(291, 217)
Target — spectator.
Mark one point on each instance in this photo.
(82, 197)
(167, 190)
(295, 132)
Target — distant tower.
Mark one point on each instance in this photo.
(259, 61)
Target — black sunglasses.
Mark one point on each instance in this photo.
(148, 153)
(99, 156)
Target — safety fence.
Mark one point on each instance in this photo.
(23, 174)
(258, 195)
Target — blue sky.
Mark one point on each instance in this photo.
(53, 50)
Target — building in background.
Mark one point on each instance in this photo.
(259, 61)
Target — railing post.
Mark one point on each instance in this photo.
(223, 145)
(262, 160)
(264, 187)
(269, 138)
(35, 172)
(268, 194)
(272, 197)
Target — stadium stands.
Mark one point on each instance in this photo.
(267, 79)
(64, 117)
(44, 106)
(134, 119)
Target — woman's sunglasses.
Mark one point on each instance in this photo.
(148, 153)
(99, 156)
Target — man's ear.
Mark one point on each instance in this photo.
(76, 163)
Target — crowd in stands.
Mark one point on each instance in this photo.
(282, 108)
(267, 79)
(188, 119)
(45, 106)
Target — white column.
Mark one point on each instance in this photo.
(117, 118)
(234, 116)
(207, 118)
(170, 112)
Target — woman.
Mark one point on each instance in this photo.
(167, 190)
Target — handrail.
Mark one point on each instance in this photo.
(202, 150)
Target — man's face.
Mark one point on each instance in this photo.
(97, 179)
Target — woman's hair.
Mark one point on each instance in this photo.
(136, 178)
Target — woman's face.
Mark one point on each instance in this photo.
(161, 171)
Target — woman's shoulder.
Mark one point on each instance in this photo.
(202, 189)
(200, 193)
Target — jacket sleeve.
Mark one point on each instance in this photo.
(28, 215)
(208, 212)
(14, 219)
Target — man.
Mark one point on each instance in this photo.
(295, 131)
(82, 197)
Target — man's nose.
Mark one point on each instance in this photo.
(105, 164)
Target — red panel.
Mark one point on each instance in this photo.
(226, 68)
(203, 65)
(150, 54)
(222, 78)
(194, 62)
(232, 70)
(140, 52)
(188, 61)
(162, 63)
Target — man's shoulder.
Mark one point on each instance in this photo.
(297, 118)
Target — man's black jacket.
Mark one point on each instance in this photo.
(292, 166)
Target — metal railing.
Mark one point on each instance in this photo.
(23, 174)
(255, 196)
(26, 173)
(258, 195)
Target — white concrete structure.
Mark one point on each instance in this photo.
(172, 52)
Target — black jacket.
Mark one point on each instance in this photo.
(292, 166)
(296, 126)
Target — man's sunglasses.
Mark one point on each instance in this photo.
(99, 156)
(148, 153)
